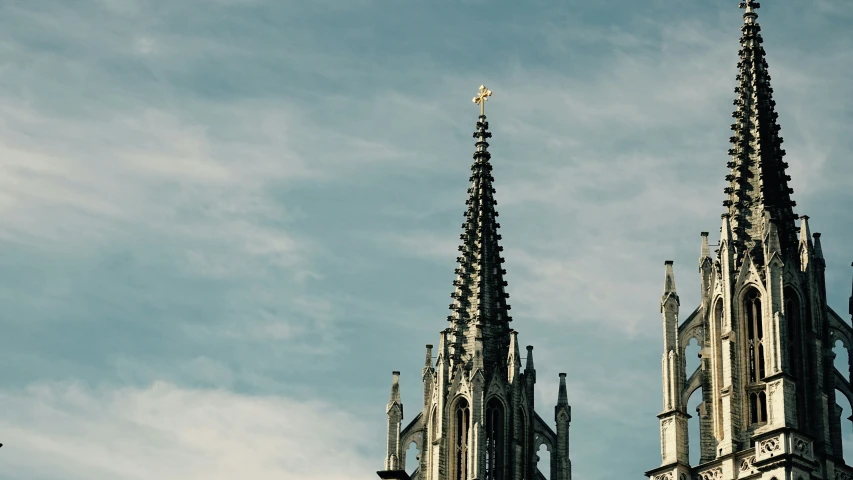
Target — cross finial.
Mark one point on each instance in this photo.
(483, 94)
(749, 6)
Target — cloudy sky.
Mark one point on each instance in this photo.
(223, 223)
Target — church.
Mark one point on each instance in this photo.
(766, 373)
(477, 419)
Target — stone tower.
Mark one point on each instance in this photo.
(766, 333)
(477, 420)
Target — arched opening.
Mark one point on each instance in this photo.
(755, 368)
(433, 425)
(717, 348)
(694, 449)
(412, 458)
(494, 440)
(461, 434)
(692, 352)
(754, 335)
(543, 461)
(846, 428)
(796, 353)
(757, 407)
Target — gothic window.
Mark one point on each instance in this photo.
(462, 423)
(755, 355)
(795, 351)
(757, 407)
(755, 336)
(494, 440)
(434, 427)
(718, 313)
(718, 319)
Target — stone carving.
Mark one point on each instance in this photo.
(746, 464)
(711, 474)
(770, 446)
(842, 475)
(664, 476)
(696, 333)
(802, 446)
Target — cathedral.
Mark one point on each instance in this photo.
(477, 419)
(768, 382)
(766, 374)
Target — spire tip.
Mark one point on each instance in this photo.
(482, 95)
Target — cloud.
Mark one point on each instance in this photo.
(165, 431)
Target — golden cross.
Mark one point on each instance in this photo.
(481, 98)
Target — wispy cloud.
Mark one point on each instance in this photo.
(165, 431)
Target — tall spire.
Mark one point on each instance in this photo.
(758, 185)
(479, 300)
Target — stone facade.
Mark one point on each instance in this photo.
(766, 333)
(477, 420)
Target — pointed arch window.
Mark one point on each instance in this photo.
(755, 336)
(755, 355)
(434, 424)
(494, 440)
(718, 409)
(461, 434)
(757, 407)
(793, 316)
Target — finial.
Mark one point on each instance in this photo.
(529, 365)
(669, 280)
(749, 6)
(395, 387)
(428, 360)
(483, 94)
(805, 231)
(562, 395)
(818, 250)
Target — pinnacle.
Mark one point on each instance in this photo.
(562, 395)
(669, 279)
(395, 388)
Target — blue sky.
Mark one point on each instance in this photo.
(223, 223)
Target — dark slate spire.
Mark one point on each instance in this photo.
(479, 300)
(758, 185)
